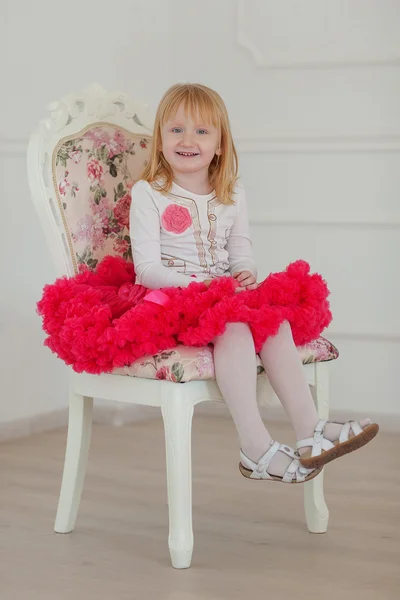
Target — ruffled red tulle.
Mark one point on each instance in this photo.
(99, 320)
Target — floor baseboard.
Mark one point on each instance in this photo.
(274, 412)
(107, 413)
(118, 414)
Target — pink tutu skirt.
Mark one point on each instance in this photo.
(100, 320)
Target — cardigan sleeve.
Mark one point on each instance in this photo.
(145, 239)
(239, 244)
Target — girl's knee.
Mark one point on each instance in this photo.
(237, 327)
(234, 330)
(285, 326)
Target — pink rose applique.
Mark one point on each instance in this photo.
(176, 218)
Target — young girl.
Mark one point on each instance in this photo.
(189, 223)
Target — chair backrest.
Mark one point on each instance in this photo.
(82, 162)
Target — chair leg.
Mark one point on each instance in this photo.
(177, 412)
(76, 455)
(317, 513)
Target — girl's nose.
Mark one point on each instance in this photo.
(187, 139)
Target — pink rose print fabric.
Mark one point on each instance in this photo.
(94, 174)
(121, 210)
(176, 219)
(188, 363)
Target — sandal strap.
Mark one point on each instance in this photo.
(263, 464)
(318, 442)
(353, 426)
(295, 470)
(310, 442)
(260, 469)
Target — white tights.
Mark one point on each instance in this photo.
(235, 366)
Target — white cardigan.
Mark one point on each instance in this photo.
(183, 237)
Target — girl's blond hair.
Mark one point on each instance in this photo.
(201, 102)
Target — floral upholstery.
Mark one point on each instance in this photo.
(183, 363)
(93, 174)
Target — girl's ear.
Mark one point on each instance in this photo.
(218, 152)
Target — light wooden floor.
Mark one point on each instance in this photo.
(250, 537)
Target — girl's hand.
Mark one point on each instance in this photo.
(246, 280)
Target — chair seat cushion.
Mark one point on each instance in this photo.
(183, 363)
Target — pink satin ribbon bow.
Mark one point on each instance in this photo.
(157, 297)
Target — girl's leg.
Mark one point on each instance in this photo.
(284, 369)
(236, 373)
(283, 366)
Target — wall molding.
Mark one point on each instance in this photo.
(13, 146)
(325, 143)
(243, 39)
(284, 221)
(272, 144)
(368, 336)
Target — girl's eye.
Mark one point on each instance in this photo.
(202, 131)
(177, 130)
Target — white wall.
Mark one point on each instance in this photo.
(313, 92)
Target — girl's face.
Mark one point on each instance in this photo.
(189, 146)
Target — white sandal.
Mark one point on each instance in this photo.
(295, 473)
(324, 451)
